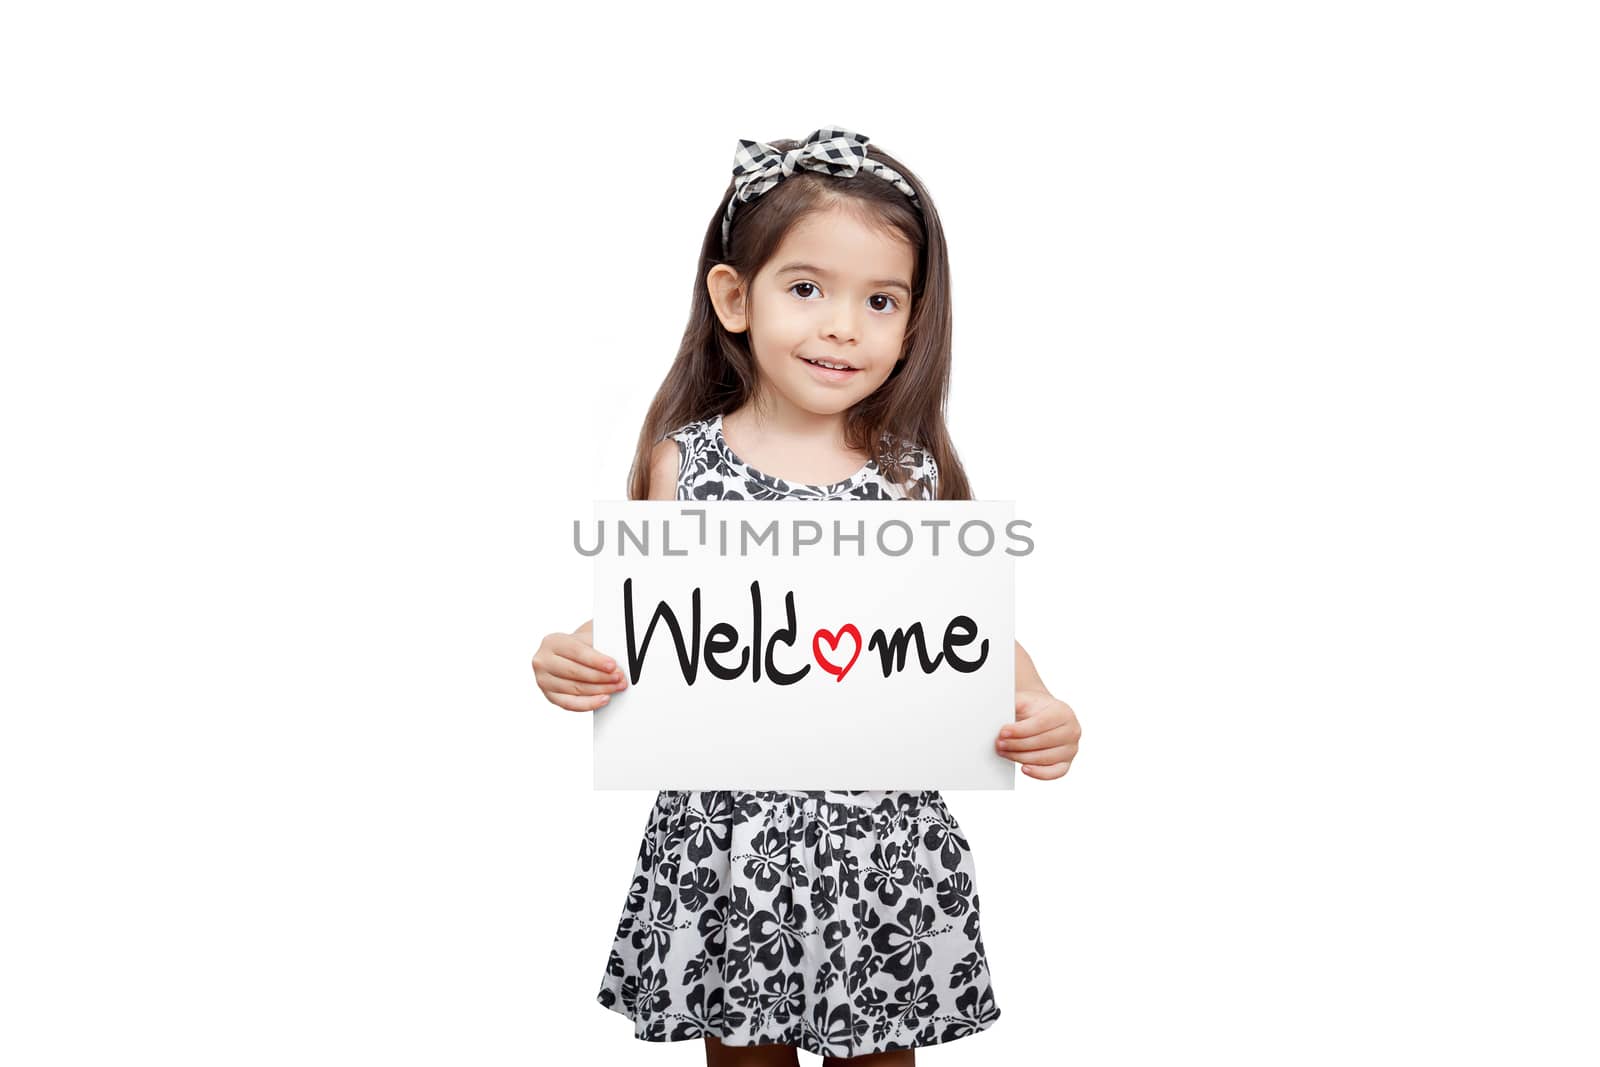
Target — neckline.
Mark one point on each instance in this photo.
(774, 482)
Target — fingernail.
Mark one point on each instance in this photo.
(1005, 731)
(611, 664)
(604, 699)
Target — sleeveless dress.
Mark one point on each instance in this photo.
(844, 922)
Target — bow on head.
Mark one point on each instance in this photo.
(758, 167)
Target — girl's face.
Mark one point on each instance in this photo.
(837, 291)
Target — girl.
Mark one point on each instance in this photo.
(815, 366)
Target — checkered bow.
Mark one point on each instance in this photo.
(758, 167)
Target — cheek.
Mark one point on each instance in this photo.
(893, 340)
(778, 325)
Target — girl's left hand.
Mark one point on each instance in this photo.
(1044, 739)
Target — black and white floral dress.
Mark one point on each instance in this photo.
(844, 922)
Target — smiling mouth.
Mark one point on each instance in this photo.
(829, 364)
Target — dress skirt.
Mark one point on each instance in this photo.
(844, 922)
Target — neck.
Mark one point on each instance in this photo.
(779, 418)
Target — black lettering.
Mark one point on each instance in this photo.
(755, 633)
(688, 659)
(724, 638)
(897, 646)
(967, 629)
(785, 634)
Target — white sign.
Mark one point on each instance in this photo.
(845, 644)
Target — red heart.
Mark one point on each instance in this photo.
(833, 643)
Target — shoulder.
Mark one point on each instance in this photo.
(917, 462)
(932, 475)
(666, 460)
(691, 429)
(925, 469)
(673, 454)
(690, 439)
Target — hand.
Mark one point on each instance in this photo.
(572, 674)
(1044, 739)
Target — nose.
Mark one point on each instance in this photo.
(842, 323)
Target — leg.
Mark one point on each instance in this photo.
(903, 1057)
(720, 1055)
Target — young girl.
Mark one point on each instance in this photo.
(815, 366)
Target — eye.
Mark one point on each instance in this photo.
(894, 305)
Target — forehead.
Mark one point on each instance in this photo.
(838, 240)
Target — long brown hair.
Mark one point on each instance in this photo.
(715, 371)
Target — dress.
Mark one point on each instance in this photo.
(844, 922)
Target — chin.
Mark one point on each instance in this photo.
(822, 406)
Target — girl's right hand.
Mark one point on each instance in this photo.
(572, 674)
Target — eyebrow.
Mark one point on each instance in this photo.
(806, 268)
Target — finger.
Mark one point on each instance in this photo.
(1027, 727)
(566, 667)
(578, 652)
(1059, 735)
(574, 703)
(1040, 756)
(559, 684)
(1055, 770)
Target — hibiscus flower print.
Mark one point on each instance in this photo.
(843, 922)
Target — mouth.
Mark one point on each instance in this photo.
(830, 370)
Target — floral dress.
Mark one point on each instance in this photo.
(844, 922)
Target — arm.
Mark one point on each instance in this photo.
(1028, 679)
(663, 486)
(572, 673)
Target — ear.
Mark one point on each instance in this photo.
(728, 296)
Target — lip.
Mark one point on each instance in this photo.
(825, 375)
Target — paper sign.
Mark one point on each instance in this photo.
(844, 645)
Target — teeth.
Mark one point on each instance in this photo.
(830, 366)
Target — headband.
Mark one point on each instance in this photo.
(758, 167)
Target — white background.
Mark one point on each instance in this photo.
(320, 320)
